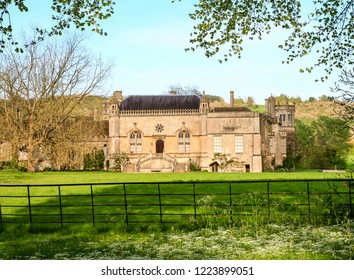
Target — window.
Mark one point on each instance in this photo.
(184, 142)
(217, 144)
(282, 117)
(290, 117)
(135, 142)
(239, 144)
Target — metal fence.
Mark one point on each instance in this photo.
(177, 202)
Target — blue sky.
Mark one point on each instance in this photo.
(146, 40)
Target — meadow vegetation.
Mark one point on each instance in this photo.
(273, 241)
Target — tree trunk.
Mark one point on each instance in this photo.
(31, 162)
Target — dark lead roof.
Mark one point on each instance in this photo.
(158, 102)
(229, 109)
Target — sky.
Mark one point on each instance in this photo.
(147, 41)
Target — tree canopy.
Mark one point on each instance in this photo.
(322, 144)
(80, 14)
(328, 30)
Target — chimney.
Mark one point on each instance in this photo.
(232, 98)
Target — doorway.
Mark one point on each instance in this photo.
(214, 167)
(248, 168)
(160, 145)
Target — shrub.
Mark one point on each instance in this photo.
(94, 160)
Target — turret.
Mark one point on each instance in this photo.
(270, 106)
(204, 104)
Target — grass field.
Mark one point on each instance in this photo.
(15, 177)
(254, 238)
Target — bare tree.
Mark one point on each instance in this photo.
(344, 104)
(77, 137)
(183, 90)
(40, 88)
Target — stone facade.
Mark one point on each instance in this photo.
(169, 133)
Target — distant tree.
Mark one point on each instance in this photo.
(323, 97)
(239, 102)
(39, 90)
(190, 90)
(304, 140)
(323, 143)
(213, 98)
(282, 99)
(80, 14)
(295, 99)
(183, 90)
(311, 99)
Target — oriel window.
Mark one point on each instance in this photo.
(135, 142)
(184, 141)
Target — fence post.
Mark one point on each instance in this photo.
(125, 204)
(308, 200)
(195, 203)
(60, 207)
(268, 200)
(29, 204)
(230, 193)
(351, 214)
(92, 206)
(158, 187)
(0, 218)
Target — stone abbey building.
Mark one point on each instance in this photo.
(169, 133)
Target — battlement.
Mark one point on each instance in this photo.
(160, 112)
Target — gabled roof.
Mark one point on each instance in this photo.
(158, 102)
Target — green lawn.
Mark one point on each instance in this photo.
(15, 177)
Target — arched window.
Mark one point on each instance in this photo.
(184, 141)
(135, 142)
